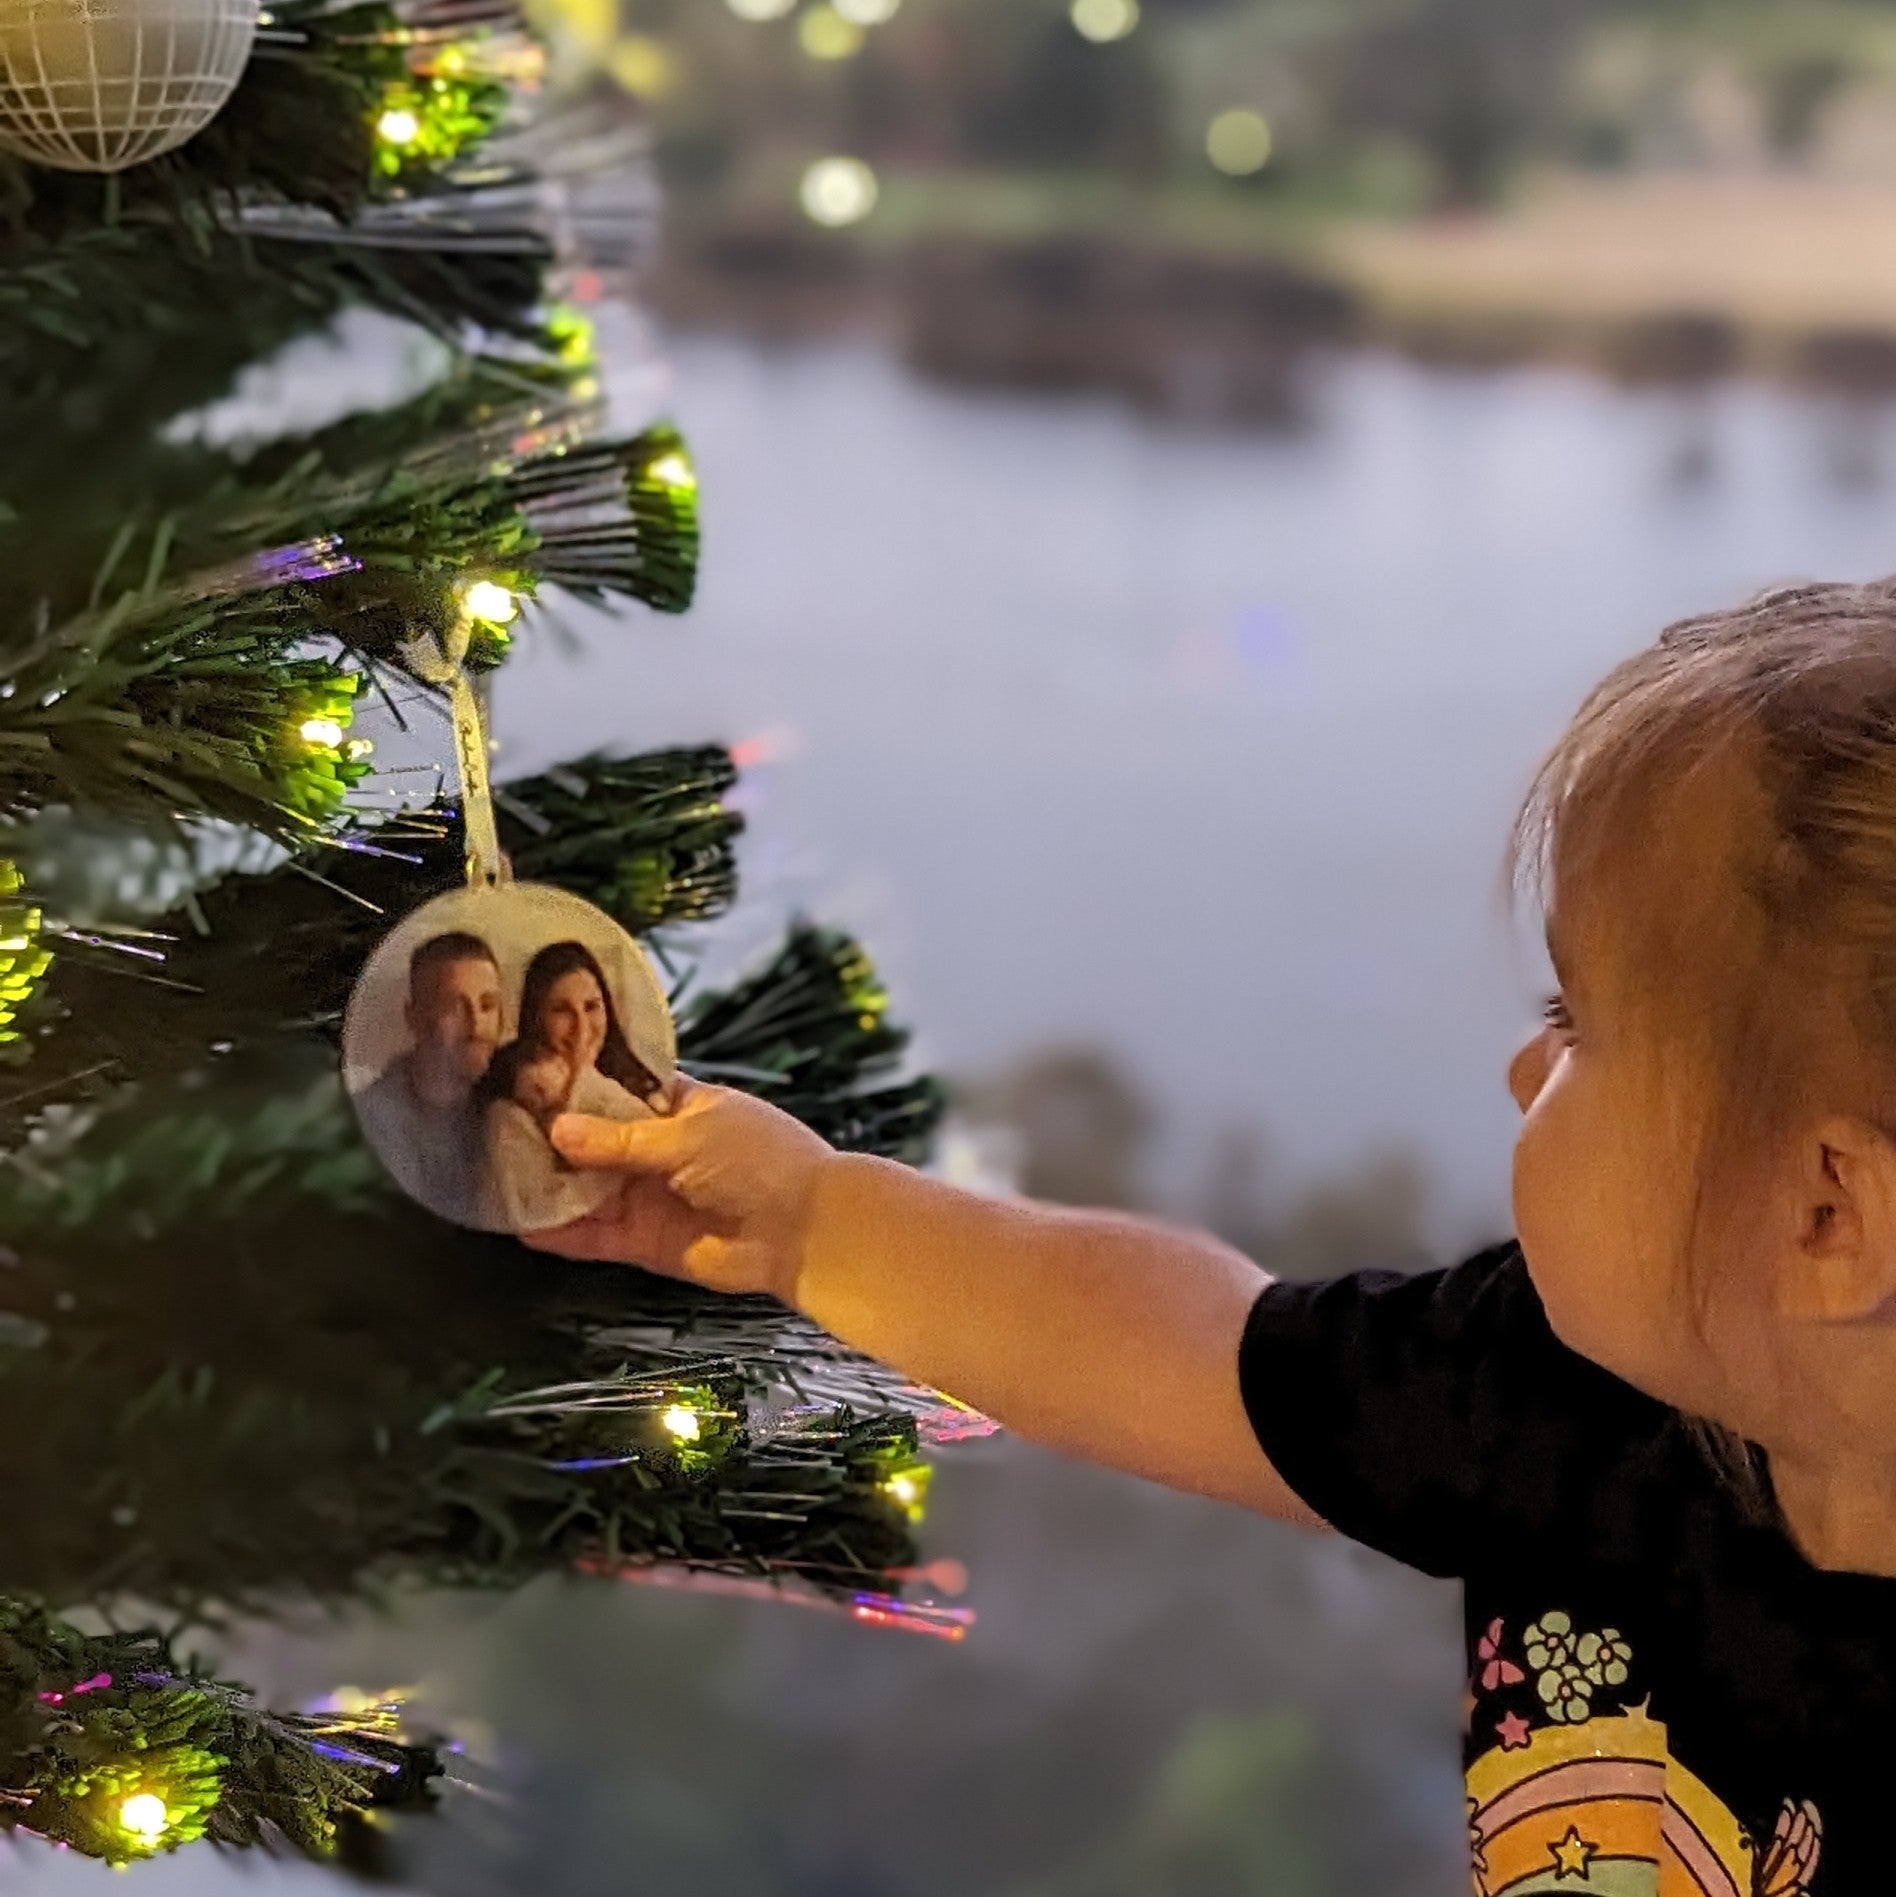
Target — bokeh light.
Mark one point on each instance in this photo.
(646, 67)
(486, 599)
(322, 731)
(838, 191)
(673, 470)
(867, 12)
(1104, 20)
(825, 34)
(1238, 143)
(145, 1816)
(398, 126)
(760, 9)
(586, 27)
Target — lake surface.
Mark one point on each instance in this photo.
(1199, 746)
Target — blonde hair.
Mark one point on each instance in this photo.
(1757, 975)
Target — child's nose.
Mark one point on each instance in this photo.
(1527, 1071)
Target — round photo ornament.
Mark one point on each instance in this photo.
(490, 1011)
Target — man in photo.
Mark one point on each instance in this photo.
(419, 1113)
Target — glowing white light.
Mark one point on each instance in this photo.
(760, 9)
(866, 12)
(838, 191)
(399, 126)
(903, 1488)
(1238, 143)
(145, 1816)
(487, 600)
(1103, 20)
(673, 470)
(683, 1423)
(323, 731)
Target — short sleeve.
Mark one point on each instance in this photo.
(1433, 1417)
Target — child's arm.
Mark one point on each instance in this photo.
(1107, 1336)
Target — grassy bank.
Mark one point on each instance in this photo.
(1778, 275)
(1654, 276)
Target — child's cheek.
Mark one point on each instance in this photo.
(1560, 1220)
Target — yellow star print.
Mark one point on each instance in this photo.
(1572, 1854)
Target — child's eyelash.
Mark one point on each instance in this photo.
(1554, 1012)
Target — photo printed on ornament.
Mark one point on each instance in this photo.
(478, 1021)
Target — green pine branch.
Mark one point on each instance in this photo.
(213, 1389)
(179, 688)
(198, 714)
(306, 1422)
(809, 1031)
(300, 128)
(103, 341)
(112, 1745)
(649, 839)
(290, 206)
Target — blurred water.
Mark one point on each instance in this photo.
(1200, 745)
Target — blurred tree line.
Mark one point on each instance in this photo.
(1372, 104)
(1082, 1131)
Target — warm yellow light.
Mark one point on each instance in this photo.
(673, 470)
(485, 599)
(683, 1423)
(838, 191)
(575, 333)
(398, 126)
(645, 67)
(825, 34)
(588, 25)
(905, 1490)
(1103, 20)
(145, 1816)
(323, 731)
(760, 9)
(866, 12)
(1238, 143)
(357, 749)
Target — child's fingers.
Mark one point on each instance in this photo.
(643, 1226)
(590, 1238)
(620, 1145)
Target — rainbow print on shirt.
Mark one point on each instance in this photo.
(1569, 1800)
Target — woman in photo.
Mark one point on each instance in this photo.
(571, 1053)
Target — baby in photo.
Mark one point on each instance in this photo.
(541, 1089)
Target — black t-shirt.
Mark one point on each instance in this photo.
(1665, 1696)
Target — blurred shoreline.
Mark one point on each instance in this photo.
(1655, 279)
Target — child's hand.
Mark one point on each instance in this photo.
(716, 1190)
(1094, 1332)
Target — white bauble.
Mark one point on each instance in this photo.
(97, 85)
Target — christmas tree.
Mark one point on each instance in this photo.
(237, 1368)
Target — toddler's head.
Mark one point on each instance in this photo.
(1705, 1177)
(541, 1084)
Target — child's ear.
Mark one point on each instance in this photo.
(1841, 1265)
